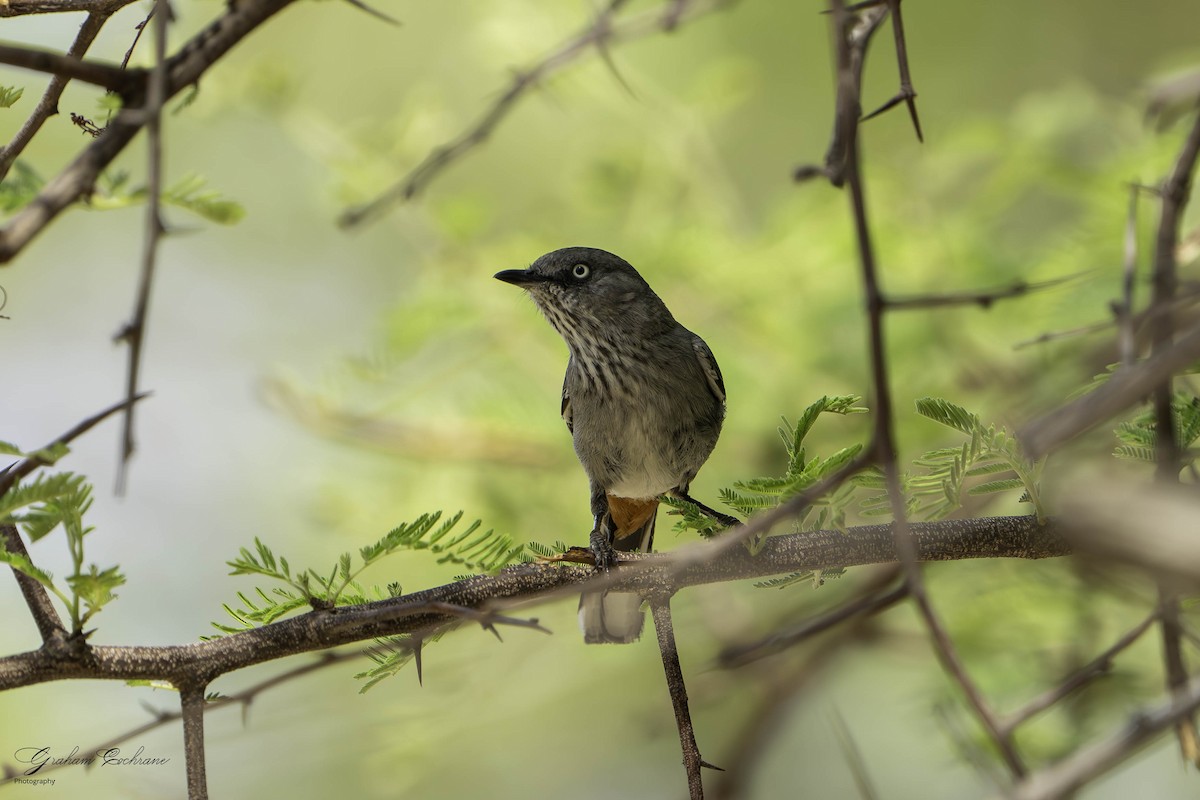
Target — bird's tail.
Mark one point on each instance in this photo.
(617, 617)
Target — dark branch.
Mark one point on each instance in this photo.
(869, 604)
(49, 624)
(106, 76)
(984, 299)
(192, 702)
(660, 607)
(11, 476)
(134, 333)
(19, 8)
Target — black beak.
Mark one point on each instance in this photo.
(519, 277)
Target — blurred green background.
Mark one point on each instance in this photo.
(313, 387)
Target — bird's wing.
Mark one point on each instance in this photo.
(566, 403)
(708, 363)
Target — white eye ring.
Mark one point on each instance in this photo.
(581, 271)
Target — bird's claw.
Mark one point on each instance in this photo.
(602, 549)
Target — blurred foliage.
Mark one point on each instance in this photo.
(1034, 129)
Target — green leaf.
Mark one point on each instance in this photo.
(10, 95)
(189, 193)
(23, 565)
(996, 486)
(19, 188)
(42, 489)
(109, 101)
(95, 587)
(947, 413)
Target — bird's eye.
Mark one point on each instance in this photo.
(581, 271)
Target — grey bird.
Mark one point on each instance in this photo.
(643, 399)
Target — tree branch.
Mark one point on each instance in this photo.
(49, 624)
(878, 597)
(134, 333)
(192, 702)
(12, 475)
(106, 76)
(989, 537)
(660, 607)
(19, 8)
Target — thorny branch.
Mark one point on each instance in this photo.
(988, 537)
(660, 608)
(883, 437)
(134, 333)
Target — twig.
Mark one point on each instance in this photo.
(1098, 666)
(49, 624)
(877, 598)
(192, 701)
(1123, 310)
(598, 35)
(855, 33)
(374, 12)
(984, 299)
(139, 29)
(660, 608)
(11, 476)
(858, 767)
(134, 333)
(1064, 778)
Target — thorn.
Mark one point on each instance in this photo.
(607, 58)
(908, 97)
(416, 648)
(374, 12)
(707, 765)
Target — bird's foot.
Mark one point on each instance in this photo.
(602, 549)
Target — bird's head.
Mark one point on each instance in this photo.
(586, 292)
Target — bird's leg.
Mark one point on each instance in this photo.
(724, 519)
(602, 533)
